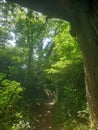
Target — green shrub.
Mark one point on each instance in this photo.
(9, 97)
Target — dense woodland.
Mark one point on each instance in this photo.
(40, 63)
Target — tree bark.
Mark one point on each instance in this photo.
(88, 40)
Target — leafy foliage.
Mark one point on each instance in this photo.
(39, 54)
(67, 76)
(9, 97)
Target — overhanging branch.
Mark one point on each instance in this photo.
(63, 9)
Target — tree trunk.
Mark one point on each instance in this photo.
(88, 40)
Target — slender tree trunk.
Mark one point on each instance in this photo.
(88, 39)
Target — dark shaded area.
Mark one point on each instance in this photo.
(70, 10)
(58, 8)
(43, 116)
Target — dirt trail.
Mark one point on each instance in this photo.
(43, 117)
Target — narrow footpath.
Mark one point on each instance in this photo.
(43, 117)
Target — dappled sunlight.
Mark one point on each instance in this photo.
(43, 117)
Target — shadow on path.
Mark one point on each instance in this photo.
(43, 116)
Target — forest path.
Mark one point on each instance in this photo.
(43, 116)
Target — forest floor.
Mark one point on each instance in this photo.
(43, 116)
